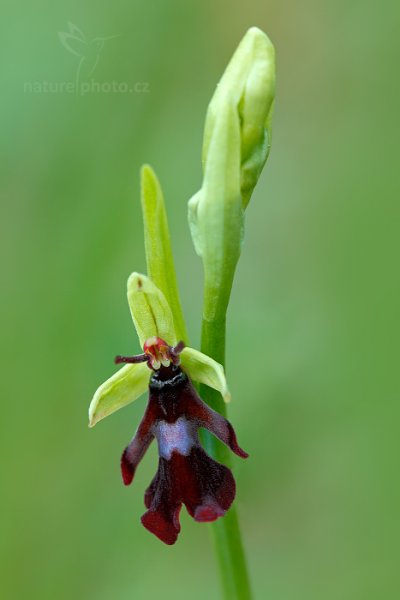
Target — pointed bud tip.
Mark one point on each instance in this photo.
(259, 38)
(255, 33)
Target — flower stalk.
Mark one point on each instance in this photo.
(226, 534)
(237, 139)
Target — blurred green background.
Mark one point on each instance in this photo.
(313, 323)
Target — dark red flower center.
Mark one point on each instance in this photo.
(157, 353)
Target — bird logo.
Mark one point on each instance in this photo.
(88, 51)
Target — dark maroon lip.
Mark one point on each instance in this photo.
(186, 474)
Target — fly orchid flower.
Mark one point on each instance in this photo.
(237, 140)
(186, 473)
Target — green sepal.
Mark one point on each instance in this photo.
(150, 311)
(204, 369)
(125, 386)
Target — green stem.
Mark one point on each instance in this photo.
(226, 531)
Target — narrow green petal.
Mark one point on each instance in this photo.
(204, 369)
(125, 386)
(150, 311)
(160, 262)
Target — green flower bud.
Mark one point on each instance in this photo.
(248, 84)
(236, 144)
